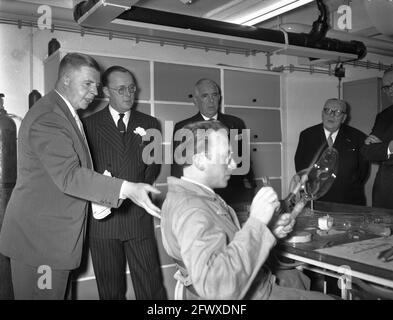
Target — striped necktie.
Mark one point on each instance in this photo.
(330, 140)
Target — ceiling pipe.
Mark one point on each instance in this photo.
(314, 40)
(376, 46)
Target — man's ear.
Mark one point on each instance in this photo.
(199, 161)
(66, 80)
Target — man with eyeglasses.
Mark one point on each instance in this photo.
(353, 168)
(207, 98)
(379, 148)
(216, 257)
(127, 233)
(45, 221)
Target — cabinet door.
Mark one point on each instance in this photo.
(175, 82)
(170, 114)
(266, 160)
(265, 124)
(251, 89)
(139, 68)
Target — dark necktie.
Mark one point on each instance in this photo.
(121, 126)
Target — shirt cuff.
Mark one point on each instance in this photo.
(121, 195)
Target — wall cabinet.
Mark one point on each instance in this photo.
(175, 82)
(251, 89)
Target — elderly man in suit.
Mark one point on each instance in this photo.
(207, 99)
(379, 147)
(353, 168)
(45, 221)
(128, 233)
(217, 258)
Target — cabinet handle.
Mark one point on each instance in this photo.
(255, 136)
(254, 100)
(190, 96)
(254, 149)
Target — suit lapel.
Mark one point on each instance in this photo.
(68, 115)
(108, 131)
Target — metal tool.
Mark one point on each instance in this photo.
(386, 255)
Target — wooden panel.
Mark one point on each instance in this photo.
(251, 89)
(265, 125)
(266, 160)
(140, 69)
(175, 82)
(169, 115)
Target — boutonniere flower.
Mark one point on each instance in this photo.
(140, 131)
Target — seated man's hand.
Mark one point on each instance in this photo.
(139, 194)
(264, 204)
(283, 225)
(372, 139)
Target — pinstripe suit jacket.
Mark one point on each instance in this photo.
(108, 153)
(45, 220)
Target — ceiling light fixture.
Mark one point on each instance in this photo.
(270, 11)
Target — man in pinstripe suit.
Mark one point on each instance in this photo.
(128, 232)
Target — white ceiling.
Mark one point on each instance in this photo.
(225, 10)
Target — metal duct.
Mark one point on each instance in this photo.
(376, 46)
(139, 14)
(315, 39)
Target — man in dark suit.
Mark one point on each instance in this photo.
(379, 147)
(353, 168)
(116, 145)
(207, 99)
(45, 221)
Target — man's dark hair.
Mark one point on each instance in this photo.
(196, 138)
(110, 70)
(75, 61)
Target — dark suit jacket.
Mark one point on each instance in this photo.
(108, 153)
(235, 191)
(353, 168)
(45, 220)
(377, 152)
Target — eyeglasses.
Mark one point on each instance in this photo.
(122, 90)
(330, 112)
(387, 87)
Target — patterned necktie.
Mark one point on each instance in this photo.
(120, 124)
(330, 140)
(80, 126)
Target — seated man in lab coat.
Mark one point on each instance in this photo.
(217, 258)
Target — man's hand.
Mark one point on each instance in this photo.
(372, 139)
(283, 225)
(264, 204)
(139, 194)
